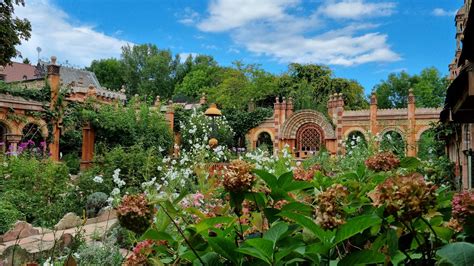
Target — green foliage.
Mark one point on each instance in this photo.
(97, 253)
(242, 122)
(12, 29)
(41, 95)
(429, 88)
(42, 189)
(95, 202)
(9, 214)
(130, 125)
(109, 72)
(460, 253)
(311, 85)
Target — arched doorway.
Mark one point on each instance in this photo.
(355, 139)
(309, 139)
(32, 137)
(3, 137)
(428, 146)
(393, 141)
(264, 142)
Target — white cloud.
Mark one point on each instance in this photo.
(189, 16)
(229, 14)
(439, 12)
(271, 28)
(53, 31)
(356, 9)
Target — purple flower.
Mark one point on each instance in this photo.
(2, 143)
(43, 144)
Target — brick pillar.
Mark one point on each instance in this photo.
(339, 113)
(373, 114)
(276, 123)
(13, 140)
(53, 78)
(88, 140)
(411, 134)
(283, 111)
(330, 106)
(289, 107)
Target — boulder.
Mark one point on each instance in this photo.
(21, 229)
(106, 214)
(70, 220)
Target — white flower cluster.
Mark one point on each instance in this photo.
(98, 179)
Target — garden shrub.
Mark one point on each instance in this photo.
(9, 214)
(100, 253)
(95, 202)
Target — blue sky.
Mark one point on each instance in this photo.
(363, 40)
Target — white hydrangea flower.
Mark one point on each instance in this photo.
(98, 179)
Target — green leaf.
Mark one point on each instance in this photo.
(362, 257)
(443, 232)
(211, 222)
(276, 232)
(154, 234)
(354, 226)
(324, 236)
(460, 253)
(297, 207)
(225, 247)
(257, 197)
(209, 259)
(258, 247)
(162, 220)
(270, 179)
(410, 162)
(285, 179)
(297, 185)
(361, 171)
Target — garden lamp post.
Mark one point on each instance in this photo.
(213, 112)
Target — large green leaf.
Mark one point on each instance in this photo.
(410, 162)
(355, 225)
(362, 257)
(297, 185)
(458, 254)
(257, 197)
(154, 234)
(276, 232)
(270, 179)
(209, 259)
(225, 247)
(324, 236)
(285, 179)
(258, 247)
(162, 220)
(297, 207)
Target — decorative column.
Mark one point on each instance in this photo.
(13, 140)
(276, 124)
(53, 78)
(88, 139)
(289, 107)
(373, 114)
(411, 136)
(339, 111)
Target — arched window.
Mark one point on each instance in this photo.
(309, 137)
(355, 139)
(32, 132)
(264, 142)
(393, 141)
(3, 137)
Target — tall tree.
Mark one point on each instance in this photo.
(149, 71)
(110, 72)
(311, 85)
(12, 30)
(429, 88)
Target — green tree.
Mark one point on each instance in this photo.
(311, 85)
(12, 30)
(202, 74)
(110, 72)
(149, 71)
(429, 88)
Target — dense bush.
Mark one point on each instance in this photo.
(9, 214)
(40, 187)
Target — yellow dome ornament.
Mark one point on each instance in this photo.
(213, 143)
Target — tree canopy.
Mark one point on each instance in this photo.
(429, 88)
(12, 29)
